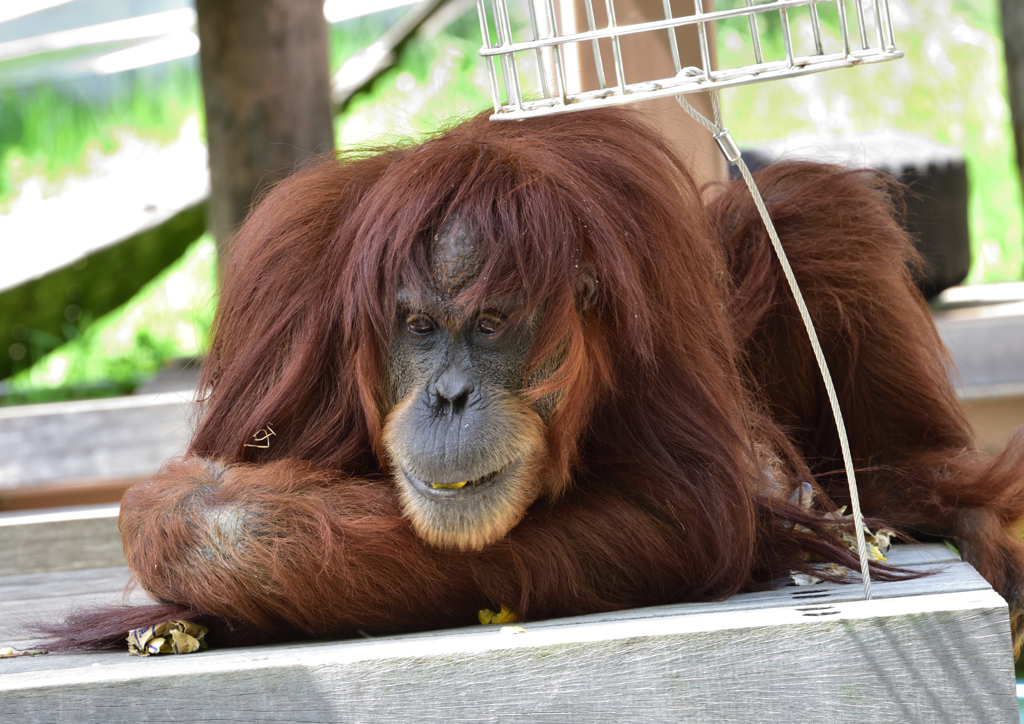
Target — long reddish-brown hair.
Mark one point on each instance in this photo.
(308, 305)
(672, 483)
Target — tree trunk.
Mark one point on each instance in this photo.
(1013, 40)
(267, 91)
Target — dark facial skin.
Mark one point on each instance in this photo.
(464, 445)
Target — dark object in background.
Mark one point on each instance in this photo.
(936, 203)
(1012, 12)
(266, 87)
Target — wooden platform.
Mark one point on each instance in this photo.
(60, 539)
(986, 344)
(53, 452)
(934, 649)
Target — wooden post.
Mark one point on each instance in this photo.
(267, 91)
(1013, 43)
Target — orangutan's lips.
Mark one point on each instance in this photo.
(462, 487)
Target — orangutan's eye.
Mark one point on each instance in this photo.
(420, 324)
(488, 323)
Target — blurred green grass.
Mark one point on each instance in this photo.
(949, 88)
(50, 136)
(169, 318)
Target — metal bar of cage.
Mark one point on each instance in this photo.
(541, 70)
(508, 60)
(672, 42)
(702, 37)
(816, 29)
(485, 33)
(648, 26)
(598, 61)
(890, 38)
(787, 36)
(755, 36)
(658, 89)
(862, 24)
(844, 28)
(517, 106)
(878, 23)
(557, 54)
(620, 73)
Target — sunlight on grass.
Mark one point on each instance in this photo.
(168, 318)
(46, 136)
(438, 83)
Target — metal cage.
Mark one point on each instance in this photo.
(532, 70)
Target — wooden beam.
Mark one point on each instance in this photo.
(360, 71)
(60, 540)
(266, 86)
(94, 284)
(815, 653)
(65, 493)
(115, 439)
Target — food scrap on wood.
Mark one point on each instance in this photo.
(487, 616)
(170, 637)
(12, 653)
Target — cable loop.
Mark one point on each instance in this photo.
(732, 154)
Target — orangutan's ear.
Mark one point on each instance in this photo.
(586, 290)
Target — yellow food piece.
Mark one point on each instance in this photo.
(450, 486)
(486, 616)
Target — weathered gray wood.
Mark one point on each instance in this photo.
(936, 657)
(987, 346)
(60, 540)
(40, 586)
(30, 599)
(112, 438)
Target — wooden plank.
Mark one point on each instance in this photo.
(121, 437)
(34, 587)
(90, 491)
(60, 540)
(986, 344)
(942, 655)
(30, 599)
(935, 658)
(921, 554)
(359, 72)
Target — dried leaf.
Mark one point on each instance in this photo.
(878, 543)
(487, 616)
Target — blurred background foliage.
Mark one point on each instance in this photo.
(950, 88)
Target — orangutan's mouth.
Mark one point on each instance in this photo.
(463, 487)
